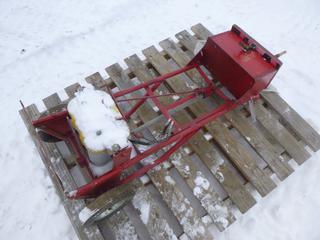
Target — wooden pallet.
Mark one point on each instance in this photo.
(232, 157)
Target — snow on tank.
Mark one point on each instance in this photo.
(96, 117)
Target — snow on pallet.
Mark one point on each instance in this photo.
(206, 180)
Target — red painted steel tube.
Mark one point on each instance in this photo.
(39, 122)
(181, 101)
(138, 104)
(203, 120)
(164, 111)
(134, 108)
(211, 83)
(204, 76)
(146, 96)
(244, 77)
(154, 81)
(161, 159)
(90, 188)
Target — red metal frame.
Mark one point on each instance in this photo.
(236, 60)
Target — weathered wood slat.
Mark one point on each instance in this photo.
(59, 174)
(281, 168)
(290, 116)
(96, 80)
(51, 101)
(70, 90)
(231, 147)
(185, 166)
(121, 226)
(292, 146)
(252, 135)
(174, 198)
(181, 58)
(187, 40)
(157, 226)
(135, 218)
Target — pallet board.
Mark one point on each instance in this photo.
(236, 154)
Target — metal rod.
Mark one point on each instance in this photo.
(156, 96)
(280, 54)
(154, 81)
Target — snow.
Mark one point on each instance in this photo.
(207, 136)
(201, 181)
(175, 97)
(65, 41)
(72, 193)
(144, 179)
(100, 170)
(86, 213)
(145, 209)
(201, 184)
(97, 119)
(217, 211)
(140, 202)
(169, 179)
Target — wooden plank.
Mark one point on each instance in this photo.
(96, 80)
(231, 147)
(121, 226)
(157, 226)
(179, 204)
(181, 58)
(208, 197)
(58, 172)
(70, 90)
(256, 139)
(251, 134)
(187, 40)
(135, 218)
(175, 199)
(51, 101)
(303, 129)
(292, 146)
(201, 31)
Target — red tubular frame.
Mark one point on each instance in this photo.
(57, 124)
(181, 134)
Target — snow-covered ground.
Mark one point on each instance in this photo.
(47, 45)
